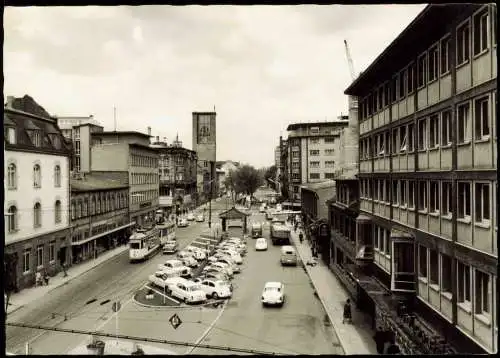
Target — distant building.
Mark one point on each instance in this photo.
(99, 216)
(126, 156)
(224, 169)
(204, 144)
(36, 187)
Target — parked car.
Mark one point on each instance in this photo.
(216, 275)
(187, 259)
(183, 223)
(175, 267)
(234, 255)
(190, 216)
(196, 252)
(227, 260)
(213, 267)
(215, 288)
(225, 266)
(187, 291)
(261, 244)
(273, 294)
(170, 247)
(162, 279)
(200, 218)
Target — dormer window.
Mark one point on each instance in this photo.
(36, 137)
(11, 135)
(56, 142)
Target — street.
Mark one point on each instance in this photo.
(297, 328)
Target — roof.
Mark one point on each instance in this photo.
(233, 213)
(121, 132)
(430, 24)
(28, 105)
(320, 185)
(90, 183)
(273, 284)
(294, 126)
(144, 146)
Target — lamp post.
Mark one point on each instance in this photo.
(210, 204)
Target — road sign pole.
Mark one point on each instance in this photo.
(164, 293)
(116, 327)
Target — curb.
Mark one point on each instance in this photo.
(185, 307)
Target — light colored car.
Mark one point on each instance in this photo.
(216, 275)
(273, 294)
(183, 223)
(227, 260)
(219, 266)
(162, 279)
(235, 255)
(261, 244)
(187, 259)
(187, 291)
(170, 247)
(175, 267)
(196, 252)
(216, 288)
(262, 208)
(200, 218)
(190, 216)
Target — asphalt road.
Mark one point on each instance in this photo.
(115, 280)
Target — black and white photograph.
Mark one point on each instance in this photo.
(250, 179)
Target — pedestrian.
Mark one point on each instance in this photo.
(301, 237)
(347, 312)
(38, 279)
(46, 278)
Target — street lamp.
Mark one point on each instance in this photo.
(210, 204)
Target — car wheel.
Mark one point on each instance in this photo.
(215, 295)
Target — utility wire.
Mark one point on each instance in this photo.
(143, 339)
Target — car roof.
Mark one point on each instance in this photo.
(273, 284)
(261, 238)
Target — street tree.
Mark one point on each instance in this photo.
(247, 179)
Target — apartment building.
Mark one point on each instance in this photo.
(427, 172)
(313, 152)
(127, 156)
(36, 187)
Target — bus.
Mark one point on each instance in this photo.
(280, 234)
(144, 243)
(167, 231)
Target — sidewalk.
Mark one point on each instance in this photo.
(355, 338)
(31, 294)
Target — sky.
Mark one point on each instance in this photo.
(261, 67)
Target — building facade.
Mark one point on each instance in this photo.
(128, 158)
(99, 216)
(312, 153)
(177, 175)
(36, 188)
(205, 144)
(427, 172)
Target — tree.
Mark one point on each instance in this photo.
(246, 180)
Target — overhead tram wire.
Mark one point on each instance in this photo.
(143, 339)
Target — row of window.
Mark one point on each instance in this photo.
(317, 164)
(325, 140)
(99, 204)
(315, 152)
(144, 161)
(434, 197)
(13, 216)
(144, 178)
(12, 176)
(39, 262)
(431, 64)
(35, 137)
(318, 175)
(433, 131)
(436, 269)
(145, 195)
(96, 230)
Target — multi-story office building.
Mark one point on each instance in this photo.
(127, 157)
(427, 171)
(313, 152)
(177, 175)
(36, 188)
(284, 177)
(99, 216)
(79, 130)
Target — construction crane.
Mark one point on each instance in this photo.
(349, 60)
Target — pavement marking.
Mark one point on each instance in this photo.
(207, 331)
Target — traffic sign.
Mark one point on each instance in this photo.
(175, 321)
(116, 306)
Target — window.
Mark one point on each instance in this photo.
(446, 128)
(36, 138)
(422, 134)
(57, 211)
(463, 44)
(380, 145)
(482, 293)
(463, 283)
(26, 260)
(11, 176)
(394, 89)
(394, 145)
(314, 164)
(482, 201)
(12, 219)
(395, 190)
(446, 278)
(494, 25)
(57, 176)
(314, 130)
(329, 164)
(445, 56)
(463, 123)
(411, 137)
(37, 215)
(314, 176)
(381, 97)
(422, 70)
(422, 195)
(387, 190)
(433, 267)
(411, 194)
(446, 195)
(422, 261)
(434, 197)
(481, 118)
(464, 200)
(329, 175)
(52, 251)
(402, 193)
(411, 78)
(11, 135)
(402, 83)
(314, 140)
(481, 31)
(329, 139)
(402, 139)
(387, 93)
(37, 176)
(314, 152)
(433, 63)
(329, 152)
(434, 131)
(39, 256)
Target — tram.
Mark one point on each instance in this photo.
(144, 243)
(166, 231)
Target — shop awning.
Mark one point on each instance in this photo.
(81, 242)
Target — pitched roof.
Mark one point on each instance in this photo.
(233, 213)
